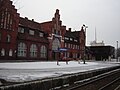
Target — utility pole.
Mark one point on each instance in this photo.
(85, 43)
(117, 52)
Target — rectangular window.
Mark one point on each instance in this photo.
(68, 45)
(71, 45)
(66, 38)
(54, 31)
(65, 44)
(41, 34)
(3, 52)
(8, 21)
(31, 32)
(11, 21)
(73, 55)
(10, 52)
(65, 54)
(71, 39)
(75, 40)
(75, 46)
(21, 30)
(8, 38)
(5, 21)
(68, 54)
(58, 32)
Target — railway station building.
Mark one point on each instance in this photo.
(25, 39)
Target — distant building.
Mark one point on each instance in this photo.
(21, 38)
(95, 43)
(101, 52)
(75, 43)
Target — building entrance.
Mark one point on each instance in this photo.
(55, 49)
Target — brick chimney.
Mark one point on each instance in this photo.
(69, 29)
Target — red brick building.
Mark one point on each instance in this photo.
(21, 38)
(32, 42)
(9, 21)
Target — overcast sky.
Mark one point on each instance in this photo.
(102, 14)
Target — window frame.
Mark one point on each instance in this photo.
(2, 52)
(21, 30)
(8, 38)
(10, 52)
(22, 50)
(31, 32)
(33, 50)
(41, 34)
(43, 51)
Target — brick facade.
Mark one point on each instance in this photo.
(21, 38)
(9, 20)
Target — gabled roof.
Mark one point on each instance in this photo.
(29, 23)
(70, 34)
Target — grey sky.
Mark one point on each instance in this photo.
(102, 14)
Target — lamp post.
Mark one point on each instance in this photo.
(85, 42)
(117, 52)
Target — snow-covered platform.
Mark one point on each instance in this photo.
(27, 71)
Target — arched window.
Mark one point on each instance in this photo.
(8, 38)
(22, 49)
(43, 52)
(10, 52)
(33, 50)
(3, 52)
(56, 44)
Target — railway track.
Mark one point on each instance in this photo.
(105, 81)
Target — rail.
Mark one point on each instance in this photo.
(100, 82)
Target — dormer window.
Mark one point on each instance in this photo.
(21, 30)
(75, 40)
(66, 38)
(41, 34)
(71, 39)
(31, 32)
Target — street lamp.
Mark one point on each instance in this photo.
(117, 52)
(85, 42)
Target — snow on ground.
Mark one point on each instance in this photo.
(42, 65)
(27, 71)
